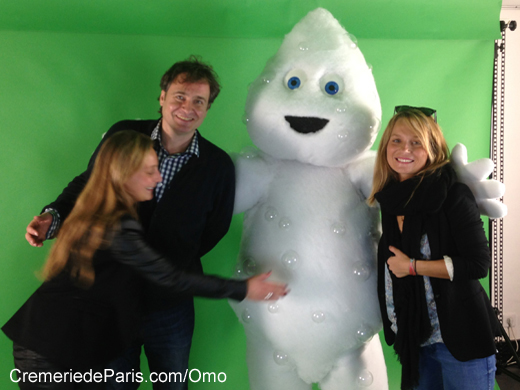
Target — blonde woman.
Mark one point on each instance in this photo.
(432, 252)
(89, 308)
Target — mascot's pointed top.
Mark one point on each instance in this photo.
(318, 30)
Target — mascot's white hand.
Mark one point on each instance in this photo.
(475, 175)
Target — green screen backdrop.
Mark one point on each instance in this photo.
(69, 70)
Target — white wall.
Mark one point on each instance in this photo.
(511, 11)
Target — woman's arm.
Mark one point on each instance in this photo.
(401, 265)
(470, 257)
(130, 248)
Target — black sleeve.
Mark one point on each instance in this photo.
(472, 260)
(129, 247)
(219, 219)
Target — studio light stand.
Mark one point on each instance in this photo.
(496, 226)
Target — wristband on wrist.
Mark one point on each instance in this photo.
(411, 268)
(55, 224)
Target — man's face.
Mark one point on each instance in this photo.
(184, 106)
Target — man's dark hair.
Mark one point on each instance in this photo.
(193, 70)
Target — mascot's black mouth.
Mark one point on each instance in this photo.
(306, 124)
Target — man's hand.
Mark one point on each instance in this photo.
(259, 289)
(38, 228)
(398, 264)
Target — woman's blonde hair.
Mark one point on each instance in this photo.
(430, 136)
(99, 207)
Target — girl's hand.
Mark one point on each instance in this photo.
(398, 264)
(259, 289)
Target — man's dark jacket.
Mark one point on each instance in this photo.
(193, 214)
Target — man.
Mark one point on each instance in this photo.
(191, 211)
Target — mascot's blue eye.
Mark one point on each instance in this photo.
(294, 82)
(332, 88)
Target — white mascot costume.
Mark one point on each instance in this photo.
(313, 113)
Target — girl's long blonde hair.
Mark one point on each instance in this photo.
(99, 207)
(431, 137)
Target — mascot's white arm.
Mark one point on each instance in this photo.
(362, 172)
(475, 175)
(252, 179)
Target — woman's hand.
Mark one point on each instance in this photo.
(259, 289)
(398, 264)
(38, 228)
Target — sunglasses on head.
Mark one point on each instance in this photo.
(425, 110)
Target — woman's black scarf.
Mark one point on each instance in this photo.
(419, 199)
